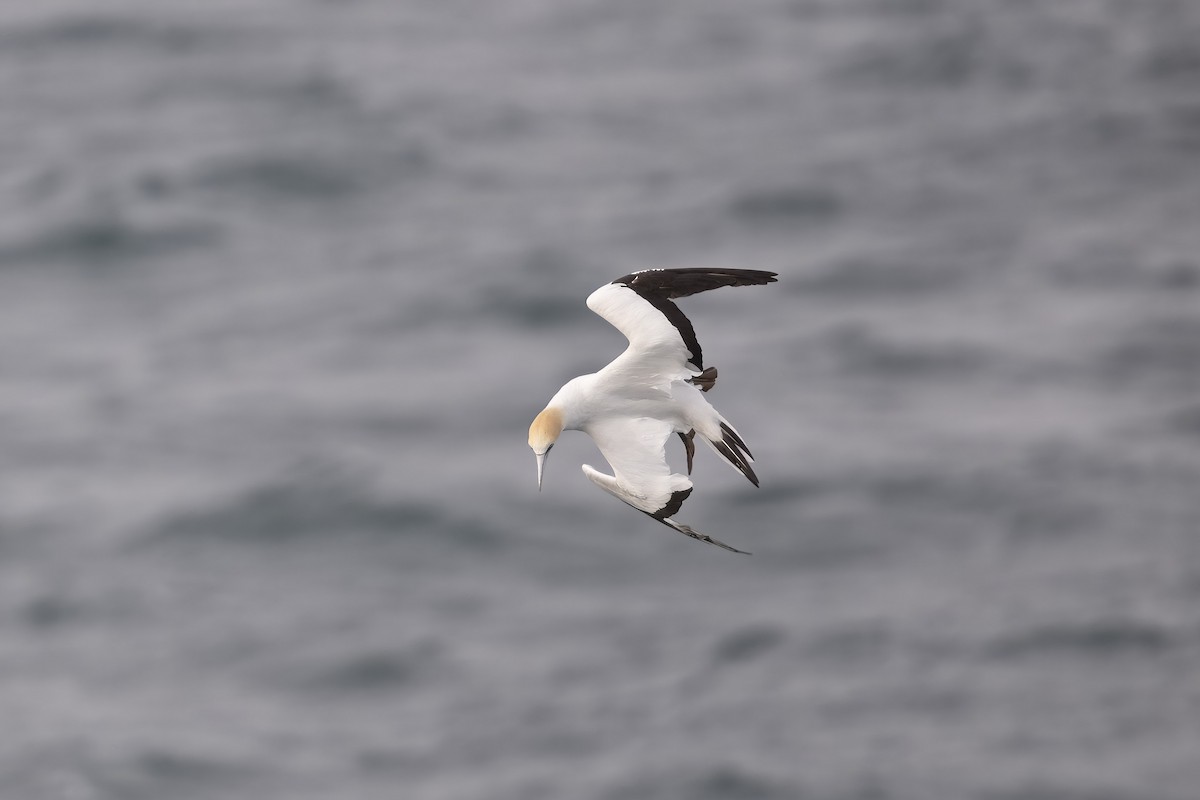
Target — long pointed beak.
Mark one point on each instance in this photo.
(541, 459)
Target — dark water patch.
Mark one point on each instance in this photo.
(175, 766)
(1165, 350)
(786, 491)
(933, 60)
(96, 32)
(890, 8)
(1185, 421)
(747, 643)
(1103, 271)
(735, 782)
(288, 512)
(320, 90)
(73, 770)
(786, 205)
(874, 278)
(827, 541)
(907, 700)
(899, 9)
(531, 307)
(381, 760)
(857, 349)
(1178, 275)
(108, 239)
(309, 176)
(1111, 127)
(1091, 640)
(51, 611)
(160, 771)
(282, 175)
(540, 298)
(1056, 791)
(372, 671)
(721, 782)
(925, 490)
(1043, 516)
(1027, 507)
(1181, 122)
(314, 100)
(848, 645)
(1178, 62)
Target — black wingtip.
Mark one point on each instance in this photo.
(736, 452)
(673, 505)
(684, 281)
(687, 530)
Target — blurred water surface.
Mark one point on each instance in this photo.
(283, 283)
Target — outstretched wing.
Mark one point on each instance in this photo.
(635, 448)
(639, 306)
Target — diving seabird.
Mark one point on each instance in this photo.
(653, 389)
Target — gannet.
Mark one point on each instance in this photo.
(655, 388)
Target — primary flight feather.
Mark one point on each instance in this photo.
(655, 388)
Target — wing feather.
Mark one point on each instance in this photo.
(656, 288)
(635, 448)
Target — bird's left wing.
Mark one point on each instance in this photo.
(635, 448)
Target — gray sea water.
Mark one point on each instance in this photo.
(283, 283)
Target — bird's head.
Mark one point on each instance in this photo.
(543, 433)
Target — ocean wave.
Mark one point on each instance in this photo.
(1185, 420)
(83, 31)
(1173, 62)
(281, 174)
(1181, 123)
(1043, 789)
(534, 309)
(787, 205)
(857, 348)
(1165, 351)
(747, 643)
(851, 644)
(874, 277)
(1100, 638)
(180, 767)
(69, 768)
(718, 782)
(933, 59)
(841, 511)
(51, 611)
(304, 510)
(368, 670)
(308, 175)
(1102, 271)
(106, 238)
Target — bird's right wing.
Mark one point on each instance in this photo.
(639, 306)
